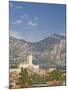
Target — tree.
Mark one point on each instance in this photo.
(24, 79)
(56, 75)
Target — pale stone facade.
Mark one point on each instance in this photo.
(29, 59)
(26, 65)
(29, 63)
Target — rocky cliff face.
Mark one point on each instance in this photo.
(58, 53)
(50, 51)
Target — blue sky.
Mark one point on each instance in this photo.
(35, 21)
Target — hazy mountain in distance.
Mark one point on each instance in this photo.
(50, 51)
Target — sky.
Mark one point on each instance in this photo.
(36, 21)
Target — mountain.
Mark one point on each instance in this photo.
(50, 51)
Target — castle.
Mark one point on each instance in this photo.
(29, 63)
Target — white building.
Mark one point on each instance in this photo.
(29, 59)
(29, 63)
(51, 69)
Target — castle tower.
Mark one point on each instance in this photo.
(29, 59)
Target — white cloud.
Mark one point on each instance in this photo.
(23, 16)
(32, 23)
(17, 22)
(29, 22)
(36, 18)
(63, 34)
(19, 7)
(13, 23)
(11, 4)
(16, 34)
(16, 7)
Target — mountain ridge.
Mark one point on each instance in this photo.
(45, 52)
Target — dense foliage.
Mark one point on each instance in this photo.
(56, 75)
(24, 79)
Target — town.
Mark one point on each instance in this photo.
(30, 75)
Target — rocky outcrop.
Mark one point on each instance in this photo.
(50, 51)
